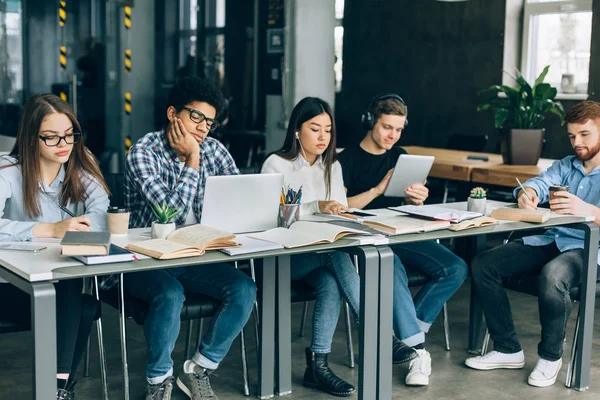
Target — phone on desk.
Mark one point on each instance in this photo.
(22, 247)
(360, 214)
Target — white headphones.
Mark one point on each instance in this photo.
(302, 148)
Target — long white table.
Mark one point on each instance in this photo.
(35, 273)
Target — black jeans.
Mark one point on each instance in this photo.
(558, 272)
(74, 318)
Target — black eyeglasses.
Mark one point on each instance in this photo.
(197, 117)
(54, 140)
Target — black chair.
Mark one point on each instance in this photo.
(116, 184)
(528, 284)
(18, 319)
(195, 307)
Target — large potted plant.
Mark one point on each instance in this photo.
(519, 113)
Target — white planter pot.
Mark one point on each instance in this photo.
(161, 231)
(476, 205)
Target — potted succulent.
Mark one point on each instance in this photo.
(164, 225)
(476, 200)
(520, 113)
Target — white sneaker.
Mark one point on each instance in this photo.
(545, 373)
(497, 360)
(419, 369)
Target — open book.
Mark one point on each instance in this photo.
(473, 223)
(185, 242)
(402, 224)
(438, 212)
(539, 216)
(305, 233)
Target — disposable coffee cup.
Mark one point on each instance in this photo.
(118, 220)
(557, 188)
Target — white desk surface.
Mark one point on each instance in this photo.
(49, 265)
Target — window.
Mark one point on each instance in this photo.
(204, 59)
(11, 53)
(558, 33)
(338, 44)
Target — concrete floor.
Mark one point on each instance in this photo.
(450, 378)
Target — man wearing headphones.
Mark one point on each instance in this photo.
(367, 168)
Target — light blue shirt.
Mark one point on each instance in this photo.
(16, 225)
(568, 171)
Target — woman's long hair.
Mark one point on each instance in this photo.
(27, 153)
(306, 109)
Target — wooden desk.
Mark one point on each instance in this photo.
(454, 165)
(505, 175)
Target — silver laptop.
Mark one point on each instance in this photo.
(242, 203)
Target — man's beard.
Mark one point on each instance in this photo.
(590, 153)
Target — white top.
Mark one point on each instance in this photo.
(312, 178)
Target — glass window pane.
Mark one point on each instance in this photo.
(337, 67)
(563, 42)
(339, 9)
(11, 53)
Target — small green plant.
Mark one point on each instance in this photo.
(163, 213)
(477, 193)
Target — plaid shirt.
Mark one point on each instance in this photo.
(154, 174)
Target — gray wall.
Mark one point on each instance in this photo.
(437, 56)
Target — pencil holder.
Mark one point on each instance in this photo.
(288, 214)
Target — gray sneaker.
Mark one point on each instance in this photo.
(197, 384)
(162, 391)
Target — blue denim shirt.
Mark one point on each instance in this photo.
(568, 171)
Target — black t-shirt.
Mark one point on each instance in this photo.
(363, 171)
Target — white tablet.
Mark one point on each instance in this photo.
(409, 170)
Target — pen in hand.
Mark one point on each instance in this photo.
(70, 214)
(525, 191)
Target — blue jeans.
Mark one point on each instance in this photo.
(332, 275)
(164, 292)
(413, 317)
(558, 273)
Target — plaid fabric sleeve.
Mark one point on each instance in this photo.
(144, 169)
(225, 161)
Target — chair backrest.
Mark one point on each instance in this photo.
(116, 184)
(7, 143)
(459, 141)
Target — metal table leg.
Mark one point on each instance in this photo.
(43, 321)
(386, 295)
(267, 329)
(283, 374)
(368, 261)
(586, 306)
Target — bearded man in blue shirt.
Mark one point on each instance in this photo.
(557, 255)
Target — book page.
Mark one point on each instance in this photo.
(323, 231)
(156, 247)
(287, 238)
(199, 236)
(473, 223)
(438, 212)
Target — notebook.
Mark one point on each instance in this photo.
(250, 245)
(85, 244)
(305, 233)
(190, 241)
(539, 216)
(473, 223)
(116, 254)
(402, 224)
(438, 213)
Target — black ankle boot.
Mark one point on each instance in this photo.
(66, 393)
(319, 376)
(402, 353)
